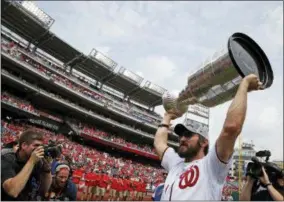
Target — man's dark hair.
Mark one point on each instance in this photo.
(29, 136)
(202, 140)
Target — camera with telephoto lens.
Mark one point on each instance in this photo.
(52, 150)
(254, 168)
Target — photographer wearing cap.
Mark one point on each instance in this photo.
(25, 174)
(271, 191)
(62, 188)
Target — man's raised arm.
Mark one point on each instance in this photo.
(235, 118)
(161, 137)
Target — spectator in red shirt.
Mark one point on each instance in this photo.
(11, 44)
(114, 189)
(135, 187)
(126, 185)
(84, 189)
(81, 186)
(103, 183)
(144, 191)
(139, 190)
(94, 179)
(88, 184)
(131, 189)
(76, 177)
(120, 188)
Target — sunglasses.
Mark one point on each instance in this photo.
(187, 134)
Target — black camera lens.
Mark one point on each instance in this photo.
(52, 151)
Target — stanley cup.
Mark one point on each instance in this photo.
(218, 78)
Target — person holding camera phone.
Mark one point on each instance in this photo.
(25, 174)
(271, 191)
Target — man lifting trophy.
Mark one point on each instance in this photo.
(195, 171)
(219, 77)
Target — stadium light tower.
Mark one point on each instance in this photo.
(100, 57)
(130, 75)
(35, 11)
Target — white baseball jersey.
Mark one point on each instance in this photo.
(201, 179)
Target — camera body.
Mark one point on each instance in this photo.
(52, 150)
(254, 168)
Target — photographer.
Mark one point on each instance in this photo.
(25, 174)
(272, 191)
(62, 188)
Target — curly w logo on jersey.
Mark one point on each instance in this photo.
(201, 179)
(189, 178)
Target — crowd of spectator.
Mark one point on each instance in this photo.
(113, 138)
(5, 97)
(89, 157)
(88, 111)
(26, 106)
(83, 128)
(78, 83)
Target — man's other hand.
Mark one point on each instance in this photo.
(37, 155)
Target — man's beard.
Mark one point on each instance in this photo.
(190, 152)
(24, 155)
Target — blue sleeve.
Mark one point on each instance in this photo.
(72, 191)
(158, 193)
(53, 166)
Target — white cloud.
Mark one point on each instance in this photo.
(159, 69)
(164, 41)
(269, 116)
(103, 49)
(133, 18)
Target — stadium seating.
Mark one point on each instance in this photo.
(24, 105)
(88, 111)
(71, 81)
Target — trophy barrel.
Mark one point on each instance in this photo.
(217, 80)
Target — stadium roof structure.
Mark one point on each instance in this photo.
(150, 94)
(33, 25)
(125, 81)
(101, 68)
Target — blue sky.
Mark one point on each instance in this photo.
(165, 41)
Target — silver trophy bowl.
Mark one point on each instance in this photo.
(217, 79)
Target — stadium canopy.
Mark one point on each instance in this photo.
(96, 65)
(25, 19)
(125, 81)
(32, 24)
(150, 94)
